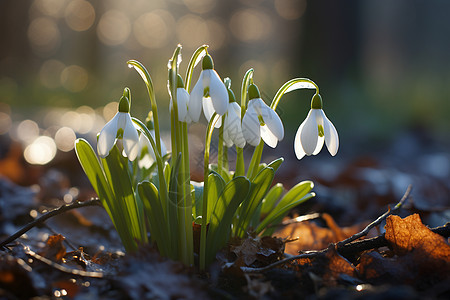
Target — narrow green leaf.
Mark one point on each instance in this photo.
(295, 196)
(224, 209)
(276, 164)
(259, 188)
(197, 197)
(216, 185)
(271, 199)
(155, 215)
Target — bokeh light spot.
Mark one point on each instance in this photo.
(51, 8)
(290, 9)
(152, 30)
(110, 110)
(50, 73)
(41, 151)
(200, 6)
(44, 35)
(79, 15)
(250, 25)
(192, 31)
(27, 131)
(74, 78)
(65, 139)
(113, 28)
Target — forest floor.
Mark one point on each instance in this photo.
(378, 228)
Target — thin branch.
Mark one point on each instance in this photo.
(44, 217)
(338, 245)
(61, 267)
(378, 221)
(344, 250)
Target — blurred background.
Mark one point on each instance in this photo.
(383, 68)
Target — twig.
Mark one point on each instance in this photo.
(345, 250)
(44, 217)
(378, 221)
(338, 245)
(61, 267)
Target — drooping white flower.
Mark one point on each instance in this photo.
(232, 130)
(120, 126)
(209, 92)
(260, 121)
(316, 130)
(182, 102)
(146, 154)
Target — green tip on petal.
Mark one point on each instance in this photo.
(316, 102)
(253, 92)
(124, 105)
(207, 62)
(231, 97)
(180, 83)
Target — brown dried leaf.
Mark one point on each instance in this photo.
(263, 250)
(54, 248)
(405, 235)
(309, 236)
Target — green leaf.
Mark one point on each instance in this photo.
(155, 215)
(259, 188)
(224, 209)
(276, 164)
(216, 185)
(271, 199)
(295, 196)
(116, 171)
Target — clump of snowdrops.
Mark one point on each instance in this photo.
(148, 192)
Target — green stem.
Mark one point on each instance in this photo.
(309, 84)
(255, 161)
(187, 196)
(151, 93)
(209, 132)
(195, 59)
(220, 148)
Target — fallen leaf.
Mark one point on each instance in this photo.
(54, 248)
(309, 236)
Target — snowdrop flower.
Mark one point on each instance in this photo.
(315, 131)
(120, 126)
(260, 121)
(209, 92)
(232, 130)
(182, 102)
(146, 154)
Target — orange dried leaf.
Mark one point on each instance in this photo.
(54, 248)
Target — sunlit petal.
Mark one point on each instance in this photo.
(309, 133)
(331, 135)
(195, 100)
(107, 137)
(273, 122)
(218, 92)
(182, 100)
(233, 126)
(130, 139)
(251, 126)
(298, 149)
(268, 136)
(208, 110)
(146, 160)
(319, 145)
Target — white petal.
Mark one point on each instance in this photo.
(268, 137)
(144, 145)
(331, 135)
(251, 126)
(319, 145)
(272, 120)
(163, 146)
(298, 149)
(107, 137)
(208, 110)
(182, 101)
(130, 138)
(310, 133)
(226, 138)
(233, 126)
(218, 92)
(195, 100)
